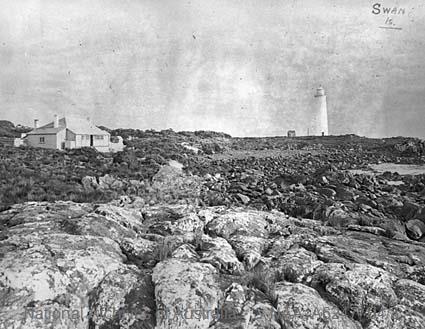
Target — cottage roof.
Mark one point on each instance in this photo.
(81, 126)
(77, 125)
(45, 130)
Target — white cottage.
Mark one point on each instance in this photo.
(69, 133)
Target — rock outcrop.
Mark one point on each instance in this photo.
(69, 265)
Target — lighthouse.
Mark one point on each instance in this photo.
(320, 122)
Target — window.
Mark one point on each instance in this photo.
(98, 137)
(42, 141)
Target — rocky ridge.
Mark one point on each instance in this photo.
(120, 265)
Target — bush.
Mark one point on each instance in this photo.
(165, 249)
(265, 281)
(18, 192)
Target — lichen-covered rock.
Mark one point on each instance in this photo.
(55, 255)
(219, 253)
(242, 222)
(300, 306)
(123, 299)
(175, 219)
(52, 267)
(398, 317)
(400, 258)
(360, 290)
(411, 294)
(281, 245)
(249, 249)
(216, 268)
(140, 251)
(296, 265)
(116, 223)
(186, 293)
(243, 308)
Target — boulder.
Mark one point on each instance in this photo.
(219, 253)
(328, 192)
(248, 248)
(124, 299)
(171, 219)
(89, 183)
(296, 265)
(109, 182)
(300, 306)
(398, 317)
(339, 217)
(186, 293)
(142, 252)
(244, 199)
(415, 229)
(242, 222)
(360, 290)
(411, 294)
(56, 270)
(409, 210)
(242, 308)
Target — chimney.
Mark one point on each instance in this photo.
(35, 123)
(56, 121)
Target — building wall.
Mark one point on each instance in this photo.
(60, 139)
(18, 142)
(101, 142)
(70, 144)
(70, 136)
(50, 141)
(84, 140)
(67, 139)
(118, 145)
(6, 141)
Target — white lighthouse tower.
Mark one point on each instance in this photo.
(320, 122)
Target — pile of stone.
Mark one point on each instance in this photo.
(321, 186)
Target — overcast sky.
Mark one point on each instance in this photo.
(247, 67)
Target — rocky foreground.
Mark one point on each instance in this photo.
(123, 265)
(271, 233)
